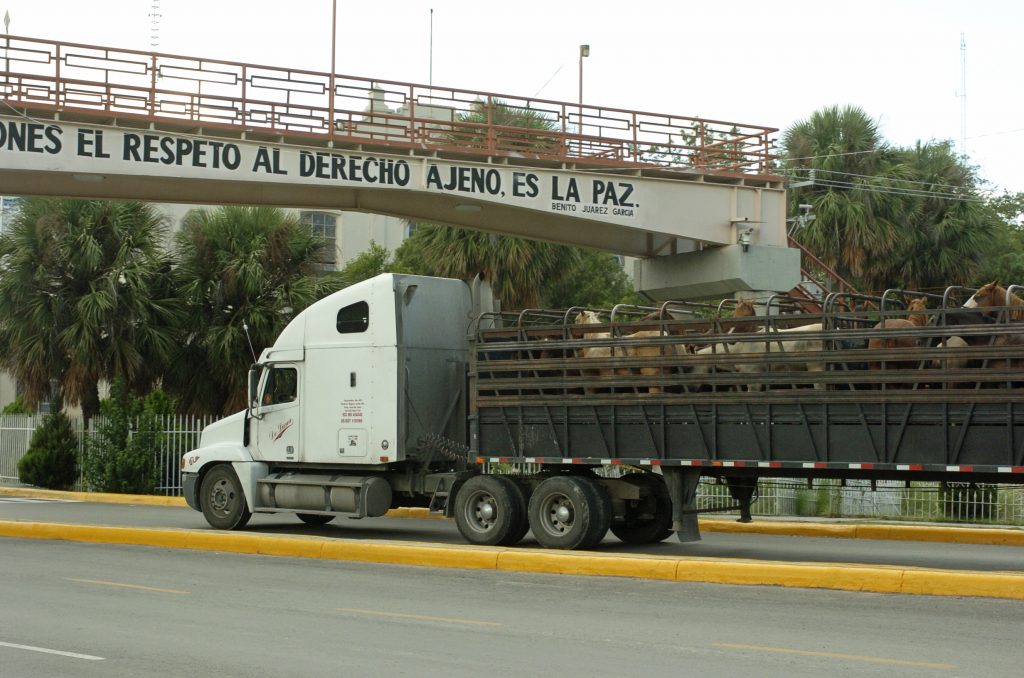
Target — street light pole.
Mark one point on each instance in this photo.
(584, 52)
(334, 43)
(7, 43)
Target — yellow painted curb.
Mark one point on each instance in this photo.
(98, 497)
(846, 577)
(803, 575)
(404, 554)
(587, 564)
(988, 536)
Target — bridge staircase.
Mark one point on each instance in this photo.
(818, 280)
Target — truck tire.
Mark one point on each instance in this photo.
(646, 529)
(490, 510)
(222, 499)
(569, 512)
(314, 518)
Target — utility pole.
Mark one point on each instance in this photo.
(963, 100)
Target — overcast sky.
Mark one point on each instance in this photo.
(760, 63)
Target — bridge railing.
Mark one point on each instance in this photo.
(317, 107)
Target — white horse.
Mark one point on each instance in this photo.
(789, 341)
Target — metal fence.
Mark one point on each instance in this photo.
(888, 499)
(179, 434)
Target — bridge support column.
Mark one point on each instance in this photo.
(719, 272)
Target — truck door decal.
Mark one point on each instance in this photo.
(282, 428)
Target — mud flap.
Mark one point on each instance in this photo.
(682, 488)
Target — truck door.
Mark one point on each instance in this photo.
(278, 414)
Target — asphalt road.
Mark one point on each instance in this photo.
(713, 545)
(137, 611)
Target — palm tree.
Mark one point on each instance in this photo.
(239, 267)
(84, 297)
(516, 268)
(949, 228)
(858, 216)
(497, 125)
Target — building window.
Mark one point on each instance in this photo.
(324, 225)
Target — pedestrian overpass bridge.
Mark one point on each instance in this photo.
(695, 199)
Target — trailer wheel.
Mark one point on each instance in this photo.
(569, 512)
(314, 518)
(651, 520)
(222, 499)
(490, 510)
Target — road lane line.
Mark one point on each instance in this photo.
(44, 650)
(128, 586)
(416, 617)
(836, 655)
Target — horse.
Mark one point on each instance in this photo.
(789, 340)
(631, 348)
(913, 320)
(993, 295)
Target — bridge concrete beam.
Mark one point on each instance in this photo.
(718, 272)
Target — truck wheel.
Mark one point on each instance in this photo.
(314, 518)
(569, 512)
(490, 510)
(650, 520)
(222, 499)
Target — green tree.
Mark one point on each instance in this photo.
(84, 296)
(123, 455)
(495, 124)
(372, 262)
(16, 406)
(516, 268)
(239, 267)
(598, 281)
(1004, 258)
(948, 227)
(52, 457)
(884, 217)
(843, 150)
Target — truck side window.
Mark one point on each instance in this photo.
(282, 386)
(354, 318)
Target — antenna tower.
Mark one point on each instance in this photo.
(154, 26)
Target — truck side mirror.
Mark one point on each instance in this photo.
(254, 382)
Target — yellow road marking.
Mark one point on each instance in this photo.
(836, 655)
(417, 617)
(128, 586)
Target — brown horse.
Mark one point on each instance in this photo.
(913, 320)
(993, 295)
(633, 347)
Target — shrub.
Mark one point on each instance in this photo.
(122, 456)
(16, 406)
(51, 460)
